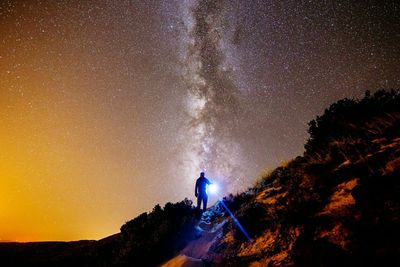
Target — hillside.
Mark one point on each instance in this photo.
(337, 205)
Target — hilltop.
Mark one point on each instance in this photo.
(336, 205)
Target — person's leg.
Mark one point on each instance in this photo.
(198, 201)
(205, 198)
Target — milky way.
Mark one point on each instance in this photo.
(110, 107)
(213, 99)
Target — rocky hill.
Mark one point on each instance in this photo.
(337, 205)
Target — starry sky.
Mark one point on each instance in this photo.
(110, 107)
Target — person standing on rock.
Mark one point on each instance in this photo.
(200, 191)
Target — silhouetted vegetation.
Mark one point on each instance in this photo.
(346, 119)
(153, 237)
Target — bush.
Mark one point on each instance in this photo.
(153, 237)
(344, 118)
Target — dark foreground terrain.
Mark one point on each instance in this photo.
(337, 205)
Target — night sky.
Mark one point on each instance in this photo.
(110, 107)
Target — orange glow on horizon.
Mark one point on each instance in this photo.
(54, 176)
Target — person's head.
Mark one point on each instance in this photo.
(202, 174)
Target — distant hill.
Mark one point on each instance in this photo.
(336, 205)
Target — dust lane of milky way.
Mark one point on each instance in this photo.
(110, 107)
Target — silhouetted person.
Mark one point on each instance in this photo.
(200, 191)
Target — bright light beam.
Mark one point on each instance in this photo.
(213, 188)
(236, 221)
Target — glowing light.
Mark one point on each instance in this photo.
(213, 188)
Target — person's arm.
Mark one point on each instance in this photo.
(195, 188)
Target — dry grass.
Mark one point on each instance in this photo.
(341, 198)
